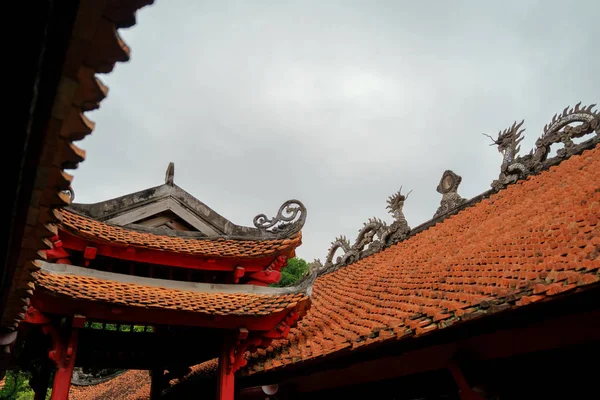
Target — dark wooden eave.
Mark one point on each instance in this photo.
(573, 319)
(66, 44)
(68, 290)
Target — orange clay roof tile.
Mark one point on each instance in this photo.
(88, 228)
(86, 288)
(535, 239)
(131, 385)
(135, 385)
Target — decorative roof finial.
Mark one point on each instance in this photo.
(170, 175)
(290, 218)
(448, 187)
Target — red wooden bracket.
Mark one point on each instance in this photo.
(89, 253)
(57, 253)
(283, 328)
(279, 262)
(269, 275)
(251, 342)
(264, 278)
(35, 317)
(238, 273)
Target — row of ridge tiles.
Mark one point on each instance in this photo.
(219, 248)
(84, 288)
(537, 238)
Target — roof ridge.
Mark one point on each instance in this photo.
(534, 243)
(291, 215)
(250, 247)
(264, 236)
(514, 168)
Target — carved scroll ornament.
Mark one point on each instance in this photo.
(290, 218)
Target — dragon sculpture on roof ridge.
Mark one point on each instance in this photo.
(374, 236)
(349, 254)
(508, 143)
(559, 130)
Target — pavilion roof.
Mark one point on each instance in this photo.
(180, 243)
(532, 241)
(82, 288)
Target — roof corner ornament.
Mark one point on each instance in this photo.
(559, 130)
(170, 174)
(290, 218)
(448, 187)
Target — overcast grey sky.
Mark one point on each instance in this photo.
(335, 103)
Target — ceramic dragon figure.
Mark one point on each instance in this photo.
(349, 254)
(559, 130)
(365, 242)
(508, 144)
(372, 237)
(399, 229)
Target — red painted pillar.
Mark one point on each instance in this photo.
(64, 356)
(226, 375)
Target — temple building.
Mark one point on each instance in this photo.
(155, 295)
(156, 280)
(492, 296)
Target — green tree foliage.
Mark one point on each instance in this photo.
(17, 387)
(291, 273)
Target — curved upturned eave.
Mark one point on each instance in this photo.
(212, 247)
(64, 288)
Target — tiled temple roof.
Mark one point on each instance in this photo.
(85, 285)
(135, 385)
(535, 239)
(131, 385)
(220, 247)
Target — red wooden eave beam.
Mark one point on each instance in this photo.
(48, 303)
(159, 257)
